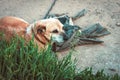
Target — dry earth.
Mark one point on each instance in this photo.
(106, 12)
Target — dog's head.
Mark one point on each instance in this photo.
(48, 29)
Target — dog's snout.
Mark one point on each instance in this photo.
(63, 28)
(64, 35)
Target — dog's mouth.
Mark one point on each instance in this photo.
(56, 45)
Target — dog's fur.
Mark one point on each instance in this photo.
(43, 30)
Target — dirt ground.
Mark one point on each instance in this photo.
(106, 12)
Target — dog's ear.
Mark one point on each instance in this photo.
(39, 29)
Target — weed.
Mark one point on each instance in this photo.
(21, 61)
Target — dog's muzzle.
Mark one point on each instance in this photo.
(58, 40)
(58, 37)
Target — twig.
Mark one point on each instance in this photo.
(47, 13)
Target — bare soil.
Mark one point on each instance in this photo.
(106, 12)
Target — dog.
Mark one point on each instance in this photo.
(44, 31)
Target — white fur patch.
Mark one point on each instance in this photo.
(29, 28)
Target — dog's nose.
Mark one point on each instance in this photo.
(64, 35)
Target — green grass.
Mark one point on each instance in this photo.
(20, 61)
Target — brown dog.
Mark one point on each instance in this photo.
(43, 30)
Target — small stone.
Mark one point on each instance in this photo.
(118, 24)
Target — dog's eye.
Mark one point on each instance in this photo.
(55, 31)
(40, 30)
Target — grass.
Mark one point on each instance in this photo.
(20, 61)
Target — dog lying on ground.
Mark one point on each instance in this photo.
(43, 30)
